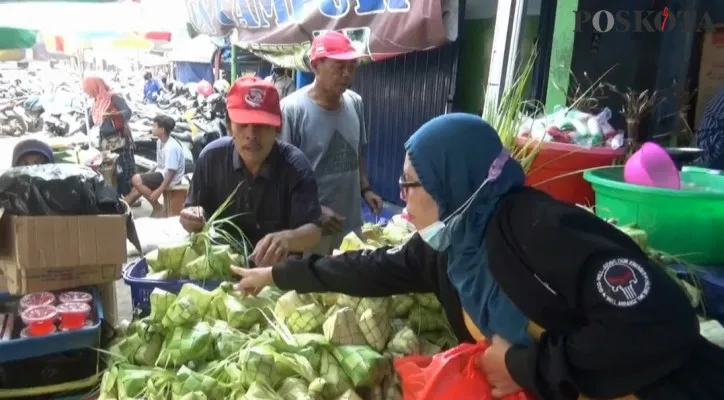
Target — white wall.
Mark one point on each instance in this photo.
(481, 9)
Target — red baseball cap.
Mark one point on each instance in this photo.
(334, 45)
(252, 100)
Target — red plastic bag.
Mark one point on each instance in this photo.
(451, 375)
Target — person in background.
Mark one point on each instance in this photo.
(110, 113)
(170, 167)
(276, 203)
(572, 307)
(710, 136)
(32, 152)
(282, 79)
(151, 88)
(163, 78)
(326, 121)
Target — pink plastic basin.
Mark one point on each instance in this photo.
(652, 166)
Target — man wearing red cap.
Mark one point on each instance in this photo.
(326, 121)
(277, 200)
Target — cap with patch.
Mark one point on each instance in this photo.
(252, 100)
(333, 45)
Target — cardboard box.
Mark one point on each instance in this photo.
(62, 241)
(23, 281)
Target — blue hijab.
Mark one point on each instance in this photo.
(452, 155)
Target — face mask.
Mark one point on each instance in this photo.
(439, 234)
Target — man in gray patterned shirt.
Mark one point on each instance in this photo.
(326, 121)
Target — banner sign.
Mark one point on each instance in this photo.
(281, 30)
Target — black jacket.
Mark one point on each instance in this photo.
(615, 323)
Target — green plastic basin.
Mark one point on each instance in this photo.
(686, 223)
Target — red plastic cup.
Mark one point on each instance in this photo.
(36, 299)
(75, 297)
(73, 315)
(40, 320)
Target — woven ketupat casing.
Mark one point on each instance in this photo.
(349, 395)
(186, 344)
(306, 319)
(161, 301)
(288, 303)
(348, 301)
(380, 305)
(333, 373)
(404, 342)
(401, 305)
(259, 366)
(428, 300)
(363, 366)
(180, 312)
(376, 328)
(342, 328)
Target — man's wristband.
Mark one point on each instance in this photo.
(365, 190)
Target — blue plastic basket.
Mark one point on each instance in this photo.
(388, 211)
(135, 277)
(58, 342)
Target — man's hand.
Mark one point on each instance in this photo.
(192, 219)
(155, 195)
(492, 362)
(331, 221)
(253, 280)
(374, 201)
(271, 249)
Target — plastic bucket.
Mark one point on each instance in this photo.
(73, 315)
(557, 159)
(75, 297)
(684, 223)
(40, 320)
(36, 299)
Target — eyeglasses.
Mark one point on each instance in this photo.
(406, 185)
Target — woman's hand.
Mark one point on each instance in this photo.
(492, 362)
(253, 280)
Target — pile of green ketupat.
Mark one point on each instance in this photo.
(222, 344)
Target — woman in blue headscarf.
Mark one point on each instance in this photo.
(571, 305)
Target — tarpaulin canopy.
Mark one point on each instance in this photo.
(197, 50)
(72, 18)
(90, 18)
(11, 38)
(281, 31)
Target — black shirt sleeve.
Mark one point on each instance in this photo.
(382, 272)
(639, 327)
(199, 193)
(305, 208)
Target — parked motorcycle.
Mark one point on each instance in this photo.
(12, 123)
